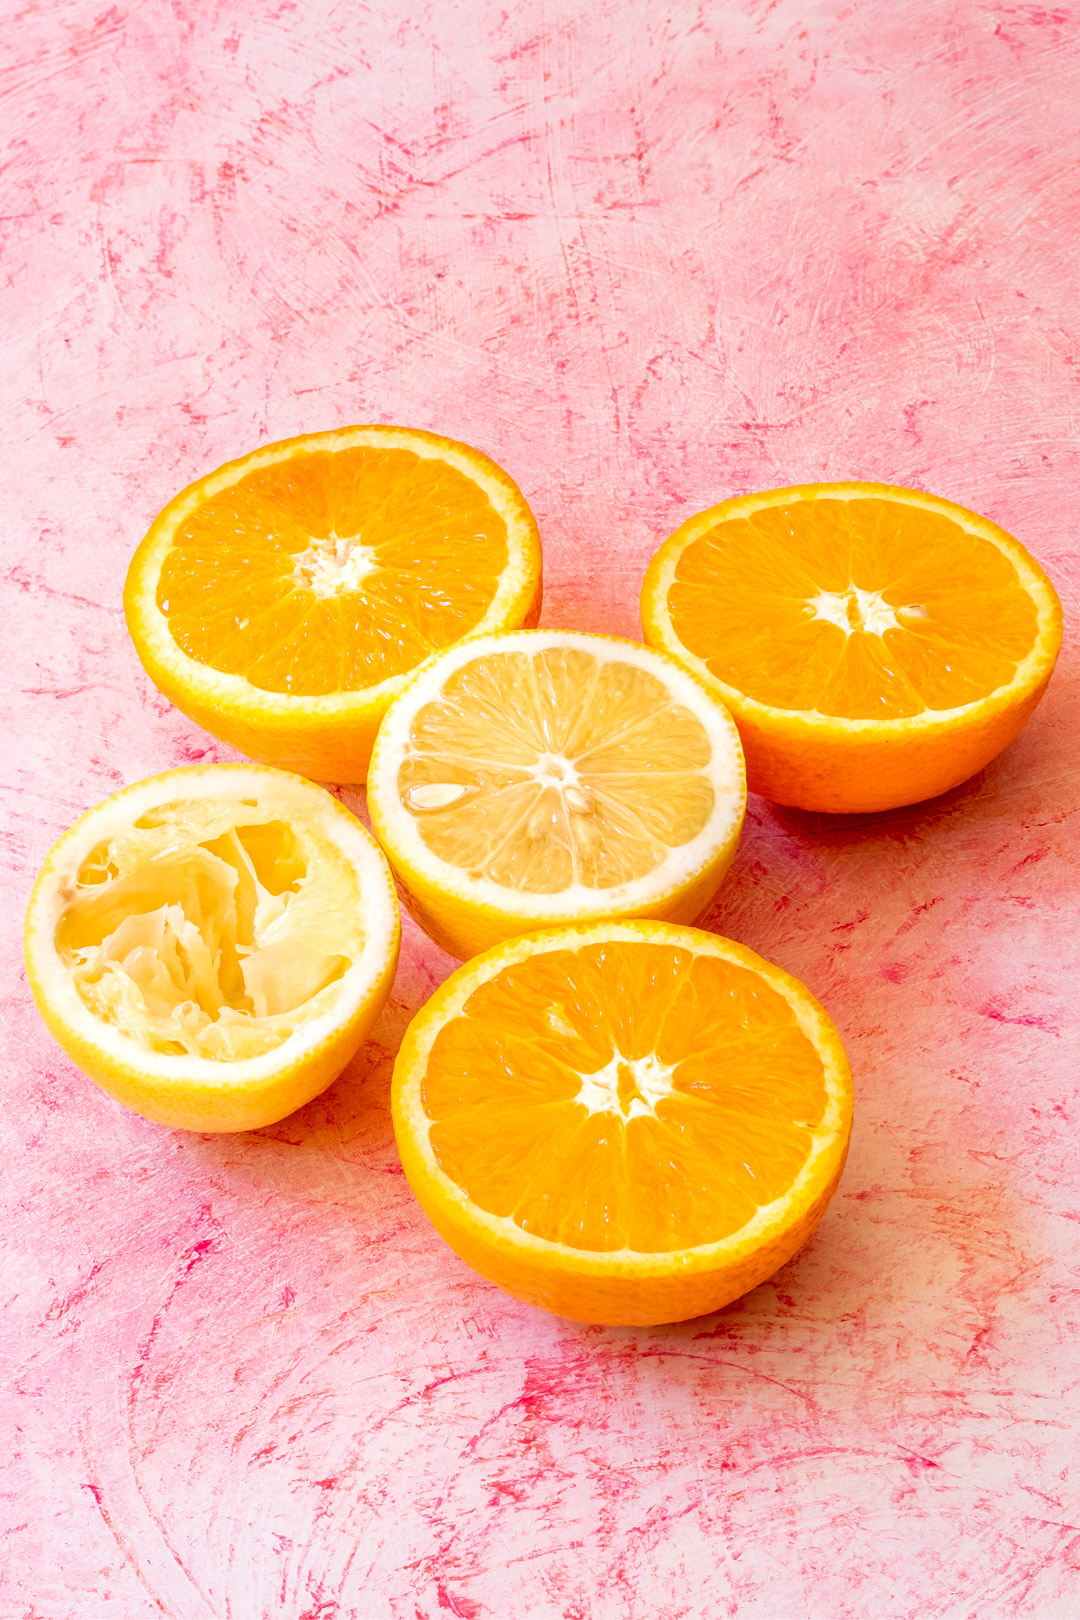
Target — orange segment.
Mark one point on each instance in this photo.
(876, 645)
(622, 1122)
(283, 599)
(363, 562)
(673, 1091)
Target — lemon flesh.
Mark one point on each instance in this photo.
(212, 928)
(542, 776)
(212, 945)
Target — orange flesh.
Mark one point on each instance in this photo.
(334, 570)
(624, 1096)
(542, 770)
(866, 609)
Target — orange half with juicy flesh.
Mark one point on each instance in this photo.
(547, 776)
(625, 1123)
(875, 645)
(283, 600)
(213, 945)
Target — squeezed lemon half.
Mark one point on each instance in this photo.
(212, 945)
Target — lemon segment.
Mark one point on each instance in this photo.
(543, 776)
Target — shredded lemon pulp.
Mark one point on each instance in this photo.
(212, 928)
(545, 770)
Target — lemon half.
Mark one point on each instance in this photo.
(213, 944)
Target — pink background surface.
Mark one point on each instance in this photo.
(646, 257)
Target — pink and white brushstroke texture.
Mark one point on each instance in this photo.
(646, 256)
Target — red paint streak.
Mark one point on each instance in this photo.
(454, 1603)
(1026, 1020)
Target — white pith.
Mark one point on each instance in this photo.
(550, 770)
(559, 772)
(855, 609)
(282, 797)
(333, 564)
(724, 771)
(629, 1088)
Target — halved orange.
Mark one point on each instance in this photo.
(623, 1122)
(212, 945)
(876, 645)
(284, 599)
(547, 776)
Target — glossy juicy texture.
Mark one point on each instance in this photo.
(624, 1096)
(547, 770)
(543, 776)
(866, 609)
(335, 571)
(876, 645)
(622, 1122)
(284, 599)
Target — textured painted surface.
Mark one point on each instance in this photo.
(646, 257)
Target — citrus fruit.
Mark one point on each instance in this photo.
(622, 1122)
(283, 600)
(876, 645)
(544, 776)
(213, 944)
